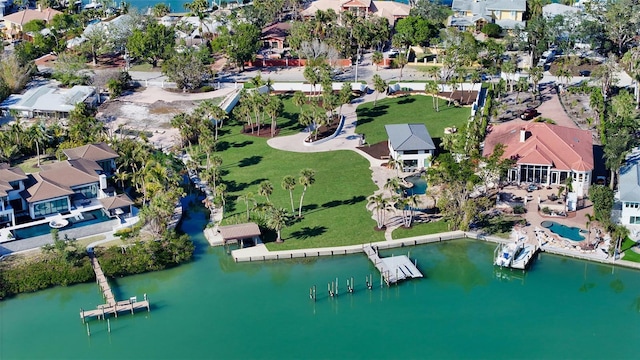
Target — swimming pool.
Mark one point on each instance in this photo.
(88, 218)
(419, 185)
(569, 232)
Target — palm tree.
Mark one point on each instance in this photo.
(299, 99)
(247, 198)
(307, 178)
(312, 77)
(453, 84)
(401, 62)
(379, 86)
(620, 232)
(274, 109)
(220, 192)
(536, 74)
(377, 58)
(276, 220)
(475, 78)
(289, 184)
(380, 205)
(37, 134)
(431, 88)
(265, 189)
(344, 96)
(392, 184)
(412, 203)
(590, 220)
(121, 176)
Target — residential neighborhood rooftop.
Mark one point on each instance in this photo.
(408, 137)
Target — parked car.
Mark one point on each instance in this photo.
(585, 73)
(393, 53)
(532, 187)
(529, 114)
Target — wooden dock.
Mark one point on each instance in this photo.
(392, 269)
(112, 306)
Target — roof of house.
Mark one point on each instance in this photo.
(43, 190)
(389, 10)
(551, 10)
(69, 174)
(48, 98)
(629, 182)
(7, 175)
(407, 137)
(277, 31)
(95, 152)
(483, 9)
(239, 231)
(115, 202)
(24, 16)
(560, 147)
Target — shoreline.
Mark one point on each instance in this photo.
(261, 253)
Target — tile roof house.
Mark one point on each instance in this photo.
(629, 192)
(11, 184)
(411, 144)
(48, 101)
(390, 10)
(275, 35)
(474, 14)
(14, 22)
(545, 153)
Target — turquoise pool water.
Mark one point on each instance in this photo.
(90, 218)
(569, 232)
(419, 185)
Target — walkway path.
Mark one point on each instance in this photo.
(551, 107)
(348, 139)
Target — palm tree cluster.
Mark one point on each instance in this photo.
(381, 205)
(257, 106)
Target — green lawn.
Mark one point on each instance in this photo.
(408, 109)
(334, 207)
(432, 227)
(629, 255)
(30, 165)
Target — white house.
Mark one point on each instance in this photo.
(410, 144)
(629, 192)
(48, 101)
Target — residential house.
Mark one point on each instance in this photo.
(545, 154)
(4, 7)
(411, 145)
(275, 35)
(390, 10)
(12, 181)
(629, 192)
(114, 26)
(63, 186)
(48, 101)
(14, 22)
(474, 14)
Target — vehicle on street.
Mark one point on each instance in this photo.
(585, 73)
(529, 114)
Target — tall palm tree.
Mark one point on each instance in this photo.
(401, 62)
(377, 58)
(277, 219)
(380, 205)
(265, 189)
(431, 88)
(299, 99)
(312, 77)
(307, 178)
(289, 184)
(247, 198)
(379, 85)
(392, 184)
(536, 74)
(37, 134)
(274, 108)
(344, 96)
(220, 192)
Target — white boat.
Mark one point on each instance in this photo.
(506, 253)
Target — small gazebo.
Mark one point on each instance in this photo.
(119, 205)
(240, 232)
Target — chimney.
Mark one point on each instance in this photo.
(523, 135)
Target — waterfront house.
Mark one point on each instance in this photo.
(275, 35)
(12, 181)
(411, 145)
(13, 23)
(390, 10)
(629, 192)
(474, 14)
(545, 154)
(48, 101)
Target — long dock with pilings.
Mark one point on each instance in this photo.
(392, 269)
(111, 307)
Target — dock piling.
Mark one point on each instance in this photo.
(88, 331)
(108, 325)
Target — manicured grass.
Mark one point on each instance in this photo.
(408, 110)
(30, 165)
(432, 227)
(143, 67)
(629, 255)
(334, 212)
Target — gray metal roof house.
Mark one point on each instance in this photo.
(629, 189)
(411, 145)
(48, 101)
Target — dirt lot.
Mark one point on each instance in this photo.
(143, 111)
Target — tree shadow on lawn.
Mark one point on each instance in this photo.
(352, 201)
(242, 144)
(292, 123)
(248, 161)
(233, 186)
(407, 100)
(308, 232)
(368, 115)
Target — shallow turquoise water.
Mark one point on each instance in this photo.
(569, 232)
(419, 185)
(215, 308)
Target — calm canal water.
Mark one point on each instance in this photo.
(214, 308)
